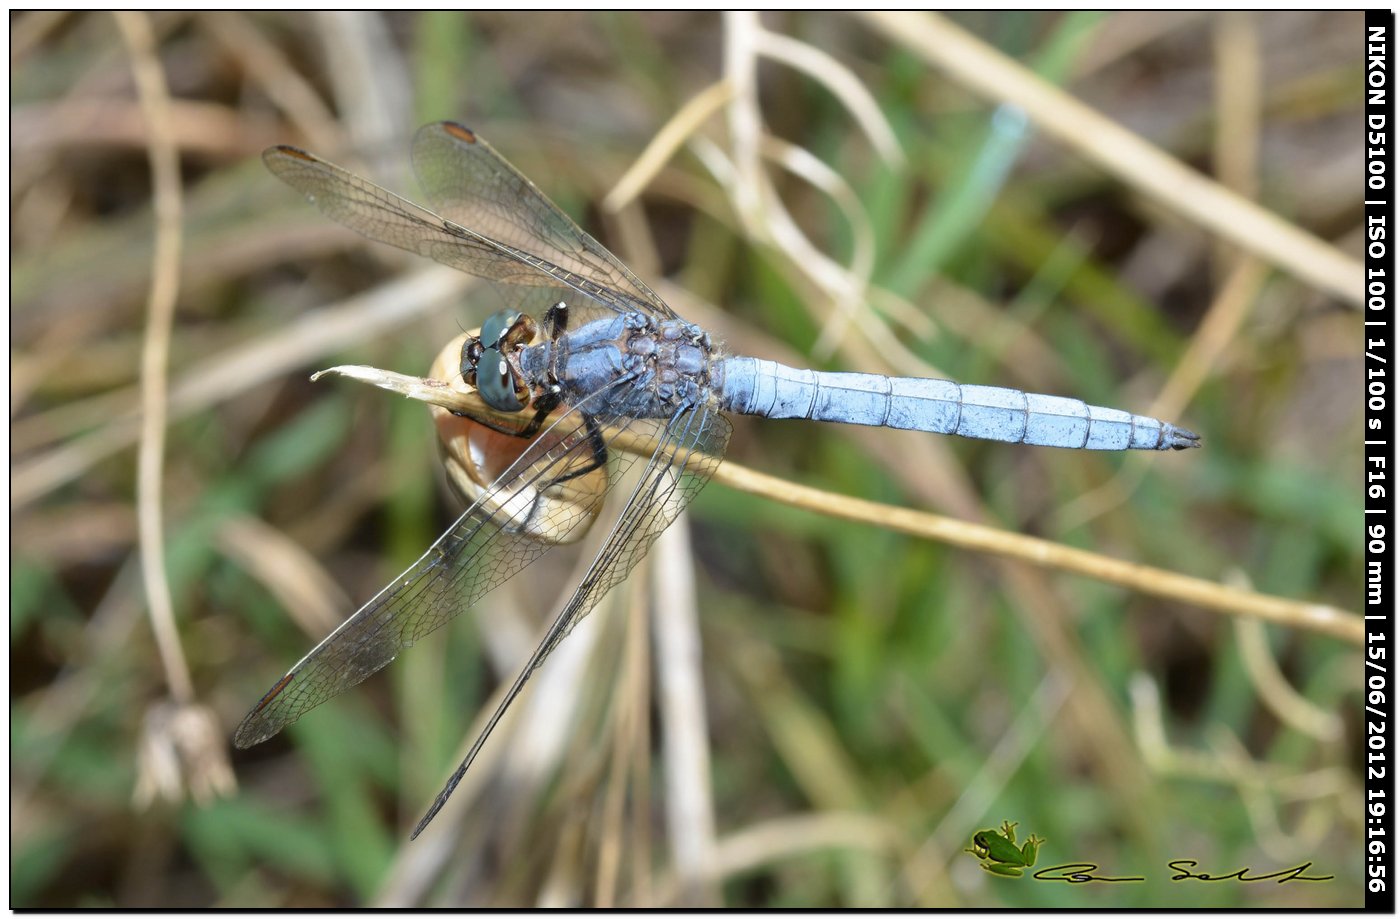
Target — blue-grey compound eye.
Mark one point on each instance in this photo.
(493, 375)
(494, 383)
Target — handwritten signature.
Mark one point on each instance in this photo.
(1083, 873)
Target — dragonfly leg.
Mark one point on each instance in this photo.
(526, 432)
(599, 460)
(543, 406)
(600, 452)
(556, 320)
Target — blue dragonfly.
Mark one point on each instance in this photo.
(587, 360)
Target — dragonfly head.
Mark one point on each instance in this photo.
(486, 360)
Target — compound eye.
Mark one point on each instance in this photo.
(495, 384)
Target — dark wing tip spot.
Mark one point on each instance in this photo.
(460, 131)
(251, 731)
(287, 150)
(273, 692)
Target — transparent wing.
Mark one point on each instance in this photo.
(488, 544)
(472, 185)
(385, 217)
(684, 459)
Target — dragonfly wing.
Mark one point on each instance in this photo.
(488, 544)
(687, 452)
(473, 185)
(385, 217)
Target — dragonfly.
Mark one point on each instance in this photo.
(585, 361)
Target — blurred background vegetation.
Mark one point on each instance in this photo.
(868, 700)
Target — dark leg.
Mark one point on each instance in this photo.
(600, 452)
(543, 406)
(556, 320)
(598, 461)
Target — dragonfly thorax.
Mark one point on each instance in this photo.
(649, 368)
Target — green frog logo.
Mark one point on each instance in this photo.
(998, 852)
